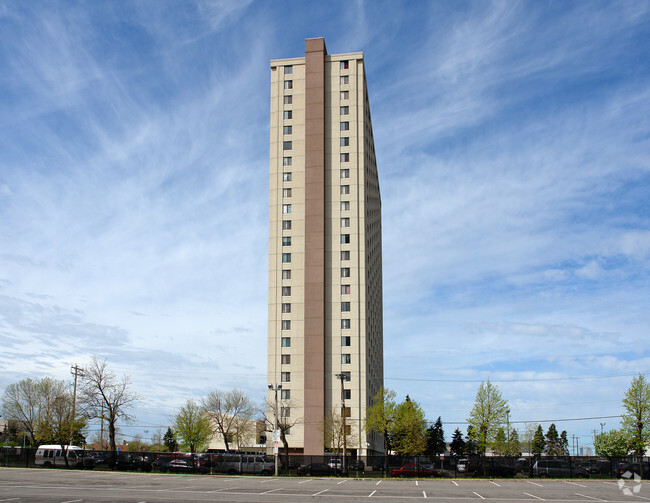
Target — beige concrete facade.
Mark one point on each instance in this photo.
(325, 272)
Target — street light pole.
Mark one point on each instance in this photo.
(76, 371)
(343, 415)
(275, 426)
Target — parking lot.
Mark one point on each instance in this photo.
(59, 486)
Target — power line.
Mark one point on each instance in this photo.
(541, 420)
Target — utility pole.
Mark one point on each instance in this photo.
(276, 433)
(601, 427)
(508, 428)
(343, 415)
(76, 371)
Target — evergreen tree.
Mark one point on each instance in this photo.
(170, 441)
(539, 442)
(564, 443)
(436, 439)
(471, 446)
(457, 445)
(499, 445)
(553, 441)
(514, 446)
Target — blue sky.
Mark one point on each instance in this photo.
(513, 145)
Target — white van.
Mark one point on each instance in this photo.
(242, 463)
(50, 456)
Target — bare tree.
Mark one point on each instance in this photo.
(287, 418)
(226, 409)
(338, 433)
(106, 397)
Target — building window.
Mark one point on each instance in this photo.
(345, 239)
(345, 79)
(345, 173)
(345, 110)
(286, 342)
(286, 241)
(287, 129)
(345, 189)
(345, 95)
(345, 157)
(286, 192)
(285, 394)
(345, 141)
(345, 222)
(288, 70)
(285, 411)
(347, 376)
(345, 126)
(286, 307)
(345, 254)
(285, 376)
(288, 114)
(286, 177)
(344, 65)
(286, 291)
(286, 359)
(287, 161)
(345, 289)
(346, 359)
(347, 394)
(346, 411)
(345, 307)
(286, 225)
(345, 205)
(286, 258)
(286, 209)
(348, 428)
(288, 100)
(286, 324)
(345, 324)
(346, 340)
(286, 145)
(288, 84)
(286, 274)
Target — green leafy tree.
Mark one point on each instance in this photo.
(488, 414)
(436, 439)
(539, 441)
(500, 444)
(457, 446)
(514, 446)
(409, 429)
(613, 443)
(636, 418)
(170, 441)
(193, 427)
(380, 417)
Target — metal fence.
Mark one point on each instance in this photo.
(335, 465)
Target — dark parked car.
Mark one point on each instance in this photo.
(320, 469)
(413, 470)
(495, 470)
(132, 462)
(557, 468)
(356, 465)
(183, 466)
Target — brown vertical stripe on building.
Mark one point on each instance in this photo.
(314, 337)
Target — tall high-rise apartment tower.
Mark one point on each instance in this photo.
(325, 268)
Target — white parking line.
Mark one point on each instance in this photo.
(416, 483)
(320, 492)
(478, 495)
(222, 489)
(370, 495)
(339, 483)
(493, 482)
(533, 496)
(534, 483)
(589, 497)
(574, 483)
(424, 494)
(455, 483)
(303, 481)
(265, 481)
(378, 483)
(71, 501)
(271, 490)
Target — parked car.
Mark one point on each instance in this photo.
(413, 470)
(596, 466)
(233, 463)
(50, 456)
(627, 470)
(557, 468)
(132, 462)
(335, 463)
(357, 465)
(461, 465)
(493, 469)
(320, 470)
(183, 466)
(522, 465)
